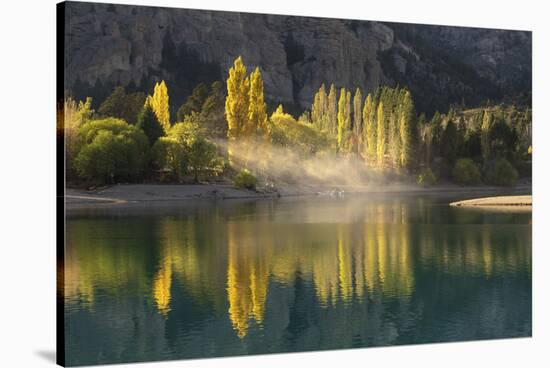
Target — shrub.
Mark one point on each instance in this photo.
(285, 131)
(204, 158)
(112, 151)
(465, 172)
(245, 179)
(426, 178)
(502, 173)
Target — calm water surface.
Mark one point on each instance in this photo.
(283, 275)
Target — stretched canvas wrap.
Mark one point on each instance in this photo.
(233, 183)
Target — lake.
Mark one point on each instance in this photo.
(284, 275)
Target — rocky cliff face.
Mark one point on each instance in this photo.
(135, 46)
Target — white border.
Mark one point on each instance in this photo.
(27, 184)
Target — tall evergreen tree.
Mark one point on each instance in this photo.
(149, 123)
(120, 104)
(212, 113)
(449, 142)
(436, 132)
(193, 103)
(485, 135)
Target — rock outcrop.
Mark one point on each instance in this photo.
(135, 46)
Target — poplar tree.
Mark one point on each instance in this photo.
(319, 109)
(393, 138)
(257, 116)
(380, 135)
(406, 131)
(357, 119)
(369, 131)
(160, 105)
(485, 139)
(237, 100)
(315, 111)
(341, 117)
(332, 119)
(347, 124)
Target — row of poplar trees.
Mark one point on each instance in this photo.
(379, 128)
(245, 108)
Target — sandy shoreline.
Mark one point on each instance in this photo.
(132, 194)
(500, 201)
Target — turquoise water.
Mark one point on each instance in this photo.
(269, 276)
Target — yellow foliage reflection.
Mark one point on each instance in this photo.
(162, 285)
(247, 279)
(344, 262)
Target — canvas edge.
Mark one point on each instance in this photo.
(60, 185)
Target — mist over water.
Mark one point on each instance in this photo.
(285, 165)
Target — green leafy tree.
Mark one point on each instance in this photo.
(122, 105)
(186, 151)
(171, 155)
(213, 112)
(112, 151)
(502, 138)
(502, 173)
(193, 103)
(450, 142)
(70, 117)
(465, 172)
(285, 131)
(206, 107)
(186, 132)
(204, 158)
